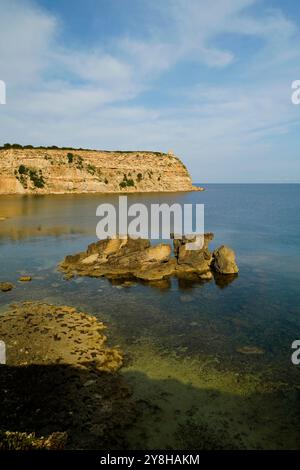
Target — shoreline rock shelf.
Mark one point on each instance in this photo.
(136, 258)
(60, 386)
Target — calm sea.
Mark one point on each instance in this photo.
(210, 322)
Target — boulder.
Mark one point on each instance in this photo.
(196, 261)
(224, 260)
(6, 286)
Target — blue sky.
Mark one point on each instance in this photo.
(209, 80)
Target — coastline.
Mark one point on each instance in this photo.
(127, 191)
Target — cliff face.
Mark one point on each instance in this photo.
(45, 171)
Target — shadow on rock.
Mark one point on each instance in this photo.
(92, 408)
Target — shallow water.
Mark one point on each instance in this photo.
(181, 335)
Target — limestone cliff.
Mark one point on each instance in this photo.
(45, 170)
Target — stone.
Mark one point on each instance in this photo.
(25, 278)
(224, 260)
(6, 286)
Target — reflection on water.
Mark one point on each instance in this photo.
(209, 321)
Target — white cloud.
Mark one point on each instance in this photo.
(62, 96)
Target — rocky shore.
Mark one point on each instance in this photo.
(60, 386)
(138, 259)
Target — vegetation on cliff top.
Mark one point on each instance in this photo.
(8, 146)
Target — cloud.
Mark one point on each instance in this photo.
(57, 94)
(26, 37)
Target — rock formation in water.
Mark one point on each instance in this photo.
(54, 171)
(224, 260)
(136, 258)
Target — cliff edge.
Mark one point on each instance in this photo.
(55, 171)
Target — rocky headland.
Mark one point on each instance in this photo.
(50, 170)
(138, 259)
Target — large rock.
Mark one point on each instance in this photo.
(224, 260)
(122, 257)
(195, 261)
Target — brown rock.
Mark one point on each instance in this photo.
(224, 260)
(6, 286)
(25, 278)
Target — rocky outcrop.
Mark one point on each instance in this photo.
(38, 333)
(136, 258)
(47, 171)
(224, 260)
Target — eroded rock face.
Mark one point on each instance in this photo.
(122, 257)
(224, 260)
(197, 261)
(57, 171)
(136, 258)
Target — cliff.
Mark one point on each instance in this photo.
(54, 171)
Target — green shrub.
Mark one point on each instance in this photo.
(23, 170)
(91, 169)
(37, 178)
(126, 182)
(70, 157)
(79, 162)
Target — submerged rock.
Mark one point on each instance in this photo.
(29, 441)
(6, 286)
(250, 350)
(224, 260)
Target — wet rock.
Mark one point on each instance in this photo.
(6, 286)
(122, 258)
(224, 260)
(194, 261)
(25, 278)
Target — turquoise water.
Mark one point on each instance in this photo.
(260, 308)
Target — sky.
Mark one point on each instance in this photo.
(209, 80)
